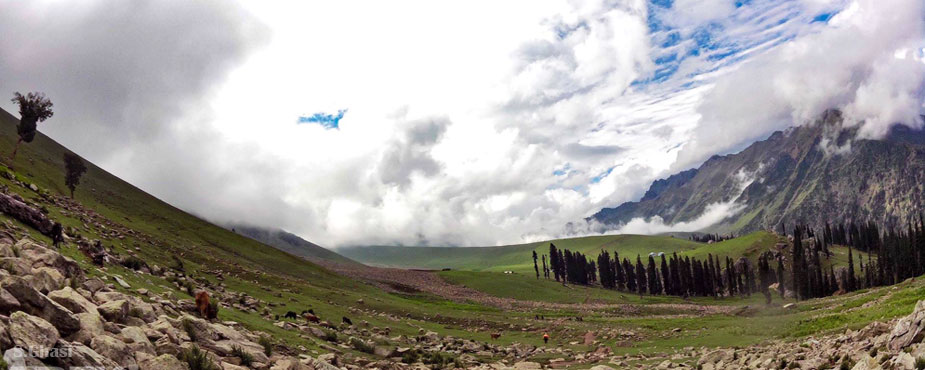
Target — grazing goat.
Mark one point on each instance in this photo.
(291, 315)
(57, 234)
(495, 335)
(311, 318)
(346, 320)
(202, 304)
(310, 310)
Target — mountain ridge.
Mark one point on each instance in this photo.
(812, 173)
(290, 243)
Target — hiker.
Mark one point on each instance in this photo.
(545, 338)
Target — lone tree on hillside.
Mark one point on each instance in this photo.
(74, 169)
(33, 108)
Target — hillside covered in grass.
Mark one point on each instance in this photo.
(519, 258)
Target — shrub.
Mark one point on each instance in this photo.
(267, 345)
(873, 352)
(920, 363)
(439, 360)
(189, 287)
(213, 309)
(846, 363)
(246, 358)
(411, 356)
(782, 365)
(360, 345)
(134, 263)
(177, 264)
(135, 312)
(189, 328)
(196, 359)
(330, 336)
(3, 364)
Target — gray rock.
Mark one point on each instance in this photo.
(908, 328)
(81, 356)
(8, 303)
(33, 333)
(114, 349)
(114, 311)
(70, 299)
(46, 279)
(91, 325)
(137, 340)
(162, 362)
(35, 303)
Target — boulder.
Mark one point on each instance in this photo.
(230, 366)
(40, 256)
(16, 266)
(287, 363)
(5, 340)
(162, 362)
(114, 349)
(19, 210)
(8, 303)
(108, 296)
(46, 279)
(91, 325)
(72, 300)
(114, 311)
(93, 285)
(907, 328)
(35, 303)
(34, 333)
(527, 365)
(867, 363)
(81, 356)
(18, 358)
(121, 282)
(136, 339)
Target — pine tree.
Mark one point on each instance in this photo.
(851, 284)
(630, 275)
(641, 283)
(652, 278)
(666, 277)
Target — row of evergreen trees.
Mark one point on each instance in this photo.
(670, 276)
(892, 257)
(706, 238)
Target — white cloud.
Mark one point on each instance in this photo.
(458, 114)
(851, 64)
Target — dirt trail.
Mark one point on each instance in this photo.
(407, 281)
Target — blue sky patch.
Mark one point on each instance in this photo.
(326, 120)
(598, 178)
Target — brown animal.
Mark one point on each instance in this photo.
(495, 335)
(311, 318)
(202, 303)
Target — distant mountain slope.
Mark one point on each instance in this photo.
(290, 243)
(813, 173)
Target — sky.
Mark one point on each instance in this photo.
(447, 123)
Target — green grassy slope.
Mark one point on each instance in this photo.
(513, 257)
(518, 258)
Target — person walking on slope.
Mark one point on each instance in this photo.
(545, 338)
